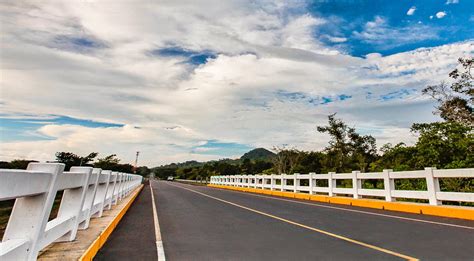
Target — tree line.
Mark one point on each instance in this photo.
(69, 159)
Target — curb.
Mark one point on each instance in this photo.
(104, 235)
(440, 211)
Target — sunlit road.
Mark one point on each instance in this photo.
(201, 223)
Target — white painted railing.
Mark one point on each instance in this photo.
(433, 193)
(193, 181)
(86, 193)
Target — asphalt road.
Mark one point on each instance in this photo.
(134, 237)
(201, 223)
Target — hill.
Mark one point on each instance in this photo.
(258, 154)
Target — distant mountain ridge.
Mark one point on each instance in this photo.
(255, 154)
(258, 154)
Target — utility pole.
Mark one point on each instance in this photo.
(136, 161)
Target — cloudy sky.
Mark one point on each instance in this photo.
(177, 80)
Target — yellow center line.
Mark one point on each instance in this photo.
(304, 226)
(349, 210)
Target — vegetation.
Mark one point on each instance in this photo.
(456, 100)
(258, 154)
(15, 164)
(110, 162)
(440, 145)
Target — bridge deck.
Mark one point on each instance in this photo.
(201, 223)
(134, 235)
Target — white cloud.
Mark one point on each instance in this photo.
(335, 39)
(261, 89)
(448, 2)
(440, 15)
(411, 11)
(379, 32)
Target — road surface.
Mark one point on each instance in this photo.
(201, 223)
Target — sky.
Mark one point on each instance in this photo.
(181, 81)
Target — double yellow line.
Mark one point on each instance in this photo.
(393, 253)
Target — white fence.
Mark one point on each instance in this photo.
(86, 193)
(432, 176)
(193, 181)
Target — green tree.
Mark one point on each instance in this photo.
(246, 166)
(109, 162)
(70, 159)
(16, 164)
(311, 162)
(399, 157)
(224, 168)
(286, 160)
(260, 166)
(347, 149)
(456, 100)
(444, 145)
(143, 171)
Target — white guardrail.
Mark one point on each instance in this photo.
(193, 181)
(433, 193)
(87, 192)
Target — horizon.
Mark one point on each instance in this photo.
(181, 82)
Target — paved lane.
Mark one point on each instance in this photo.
(200, 223)
(134, 236)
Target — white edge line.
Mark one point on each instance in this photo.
(354, 210)
(159, 243)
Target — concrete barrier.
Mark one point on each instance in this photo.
(86, 193)
(264, 184)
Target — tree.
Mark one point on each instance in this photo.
(111, 162)
(70, 159)
(143, 171)
(444, 145)
(285, 160)
(246, 166)
(163, 173)
(311, 162)
(224, 168)
(347, 149)
(399, 157)
(456, 100)
(15, 164)
(260, 166)
(363, 149)
(108, 162)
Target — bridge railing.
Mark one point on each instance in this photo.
(293, 183)
(87, 192)
(203, 181)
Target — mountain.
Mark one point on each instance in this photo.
(258, 154)
(255, 154)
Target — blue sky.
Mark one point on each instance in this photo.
(191, 57)
(18, 129)
(179, 81)
(229, 149)
(350, 17)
